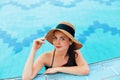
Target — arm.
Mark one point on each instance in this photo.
(31, 69)
(81, 68)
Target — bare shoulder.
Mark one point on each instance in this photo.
(46, 57)
(79, 56)
(78, 53)
(80, 59)
(47, 54)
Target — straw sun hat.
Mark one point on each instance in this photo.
(66, 28)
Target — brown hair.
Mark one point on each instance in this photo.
(72, 55)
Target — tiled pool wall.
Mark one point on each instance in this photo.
(96, 22)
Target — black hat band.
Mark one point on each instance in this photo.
(66, 28)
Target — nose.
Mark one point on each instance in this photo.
(58, 41)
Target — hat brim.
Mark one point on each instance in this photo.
(49, 35)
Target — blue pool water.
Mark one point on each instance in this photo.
(97, 25)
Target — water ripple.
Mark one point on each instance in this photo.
(66, 4)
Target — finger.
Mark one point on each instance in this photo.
(38, 42)
(43, 39)
(45, 73)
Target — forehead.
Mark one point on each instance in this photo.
(59, 33)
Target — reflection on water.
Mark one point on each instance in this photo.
(47, 77)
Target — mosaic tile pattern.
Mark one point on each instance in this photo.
(97, 25)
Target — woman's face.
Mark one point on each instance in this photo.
(61, 41)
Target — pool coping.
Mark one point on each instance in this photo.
(93, 66)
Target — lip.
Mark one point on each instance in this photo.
(58, 46)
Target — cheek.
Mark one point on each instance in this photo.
(53, 42)
(67, 43)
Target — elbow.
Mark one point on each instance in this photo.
(86, 72)
(26, 78)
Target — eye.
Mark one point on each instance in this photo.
(54, 38)
(62, 38)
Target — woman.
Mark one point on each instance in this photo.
(65, 58)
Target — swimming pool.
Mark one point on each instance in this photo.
(96, 22)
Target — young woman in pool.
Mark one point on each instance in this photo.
(65, 58)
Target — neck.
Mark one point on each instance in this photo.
(61, 53)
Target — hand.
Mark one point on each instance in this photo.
(51, 71)
(38, 42)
